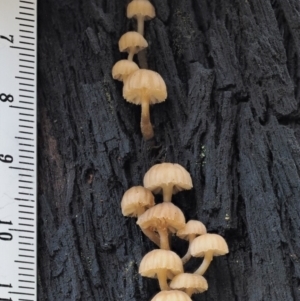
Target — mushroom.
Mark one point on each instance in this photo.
(145, 87)
(191, 229)
(161, 264)
(135, 202)
(207, 246)
(163, 218)
(173, 295)
(132, 42)
(123, 68)
(142, 11)
(189, 283)
(168, 178)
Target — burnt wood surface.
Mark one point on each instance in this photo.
(232, 70)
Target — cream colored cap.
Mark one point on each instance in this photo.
(173, 295)
(132, 40)
(189, 281)
(143, 85)
(136, 200)
(165, 174)
(158, 260)
(209, 242)
(164, 215)
(192, 227)
(123, 68)
(142, 8)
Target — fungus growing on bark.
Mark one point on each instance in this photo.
(167, 178)
(189, 283)
(142, 11)
(173, 295)
(135, 202)
(191, 229)
(207, 246)
(161, 264)
(145, 87)
(123, 68)
(132, 42)
(163, 218)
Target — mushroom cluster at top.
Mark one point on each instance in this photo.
(141, 86)
(159, 221)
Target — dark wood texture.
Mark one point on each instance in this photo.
(232, 70)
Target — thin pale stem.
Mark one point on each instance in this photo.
(167, 192)
(152, 236)
(188, 255)
(140, 24)
(205, 263)
(130, 55)
(146, 126)
(164, 238)
(162, 279)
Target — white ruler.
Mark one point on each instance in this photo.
(18, 156)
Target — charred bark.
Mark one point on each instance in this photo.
(232, 70)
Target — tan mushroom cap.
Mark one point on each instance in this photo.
(123, 68)
(190, 283)
(142, 8)
(161, 264)
(168, 178)
(144, 87)
(173, 295)
(164, 215)
(145, 84)
(209, 242)
(192, 227)
(132, 42)
(163, 219)
(136, 201)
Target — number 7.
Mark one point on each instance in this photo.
(11, 39)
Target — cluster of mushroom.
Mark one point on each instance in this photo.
(141, 86)
(159, 222)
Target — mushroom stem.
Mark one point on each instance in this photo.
(164, 238)
(146, 126)
(140, 24)
(188, 255)
(167, 192)
(189, 291)
(205, 263)
(152, 236)
(130, 55)
(162, 279)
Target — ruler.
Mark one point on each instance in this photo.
(18, 145)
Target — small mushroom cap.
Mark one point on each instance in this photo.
(142, 84)
(189, 281)
(135, 199)
(209, 242)
(192, 227)
(173, 295)
(132, 40)
(142, 8)
(158, 260)
(164, 215)
(123, 68)
(167, 173)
